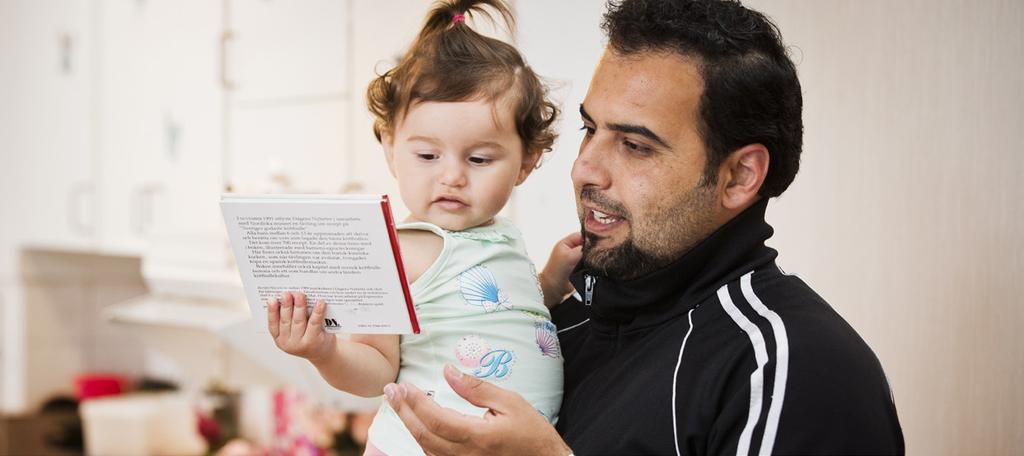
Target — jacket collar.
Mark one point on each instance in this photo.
(731, 251)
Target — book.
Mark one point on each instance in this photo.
(339, 248)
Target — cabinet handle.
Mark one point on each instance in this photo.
(143, 219)
(225, 39)
(76, 195)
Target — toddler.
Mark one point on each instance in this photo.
(462, 121)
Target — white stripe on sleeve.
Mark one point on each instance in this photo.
(771, 425)
(756, 377)
(679, 361)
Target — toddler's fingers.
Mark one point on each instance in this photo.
(299, 317)
(573, 240)
(575, 254)
(285, 324)
(274, 317)
(316, 321)
(319, 313)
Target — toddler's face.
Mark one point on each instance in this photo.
(456, 162)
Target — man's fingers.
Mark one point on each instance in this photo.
(437, 429)
(444, 422)
(274, 317)
(480, 393)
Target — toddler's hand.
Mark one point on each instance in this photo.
(554, 279)
(294, 333)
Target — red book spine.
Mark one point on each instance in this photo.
(385, 204)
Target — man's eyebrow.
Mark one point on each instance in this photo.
(583, 113)
(629, 128)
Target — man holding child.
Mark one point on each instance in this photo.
(686, 338)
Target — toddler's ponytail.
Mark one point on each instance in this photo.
(449, 61)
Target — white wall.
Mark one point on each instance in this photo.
(905, 216)
(562, 42)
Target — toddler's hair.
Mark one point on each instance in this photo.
(449, 62)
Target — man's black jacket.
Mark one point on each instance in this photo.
(718, 353)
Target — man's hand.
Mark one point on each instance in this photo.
(554, 279)
(294, 333)
(511, 426)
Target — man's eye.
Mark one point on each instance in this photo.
(479, 160)
(588, 129)
(636, 148)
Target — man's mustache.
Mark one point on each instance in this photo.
(593, 196)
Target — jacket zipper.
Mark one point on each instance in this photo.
(588, 293)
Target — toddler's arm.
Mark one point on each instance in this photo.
(361, 365)
(554, 279)
(365, 363)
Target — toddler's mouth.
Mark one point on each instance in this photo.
(450, 202)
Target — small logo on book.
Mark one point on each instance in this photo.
(331, 323)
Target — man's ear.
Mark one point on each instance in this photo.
(743, 173)
(387, 141)
(530, 162)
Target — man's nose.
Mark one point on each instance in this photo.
(592, 165)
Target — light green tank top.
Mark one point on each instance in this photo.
(480, 308)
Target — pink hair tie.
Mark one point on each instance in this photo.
(458, 18)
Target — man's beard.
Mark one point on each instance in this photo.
(624, 261)
(649, 248)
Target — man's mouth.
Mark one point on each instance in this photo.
(605, 219)
(600, 222)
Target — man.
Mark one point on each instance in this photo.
(687, 338)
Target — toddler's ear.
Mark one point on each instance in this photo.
(387, 141)
(530, 163)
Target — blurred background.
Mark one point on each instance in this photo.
(122, 121)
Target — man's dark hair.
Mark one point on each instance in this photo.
(751, 91)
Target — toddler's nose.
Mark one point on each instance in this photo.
(453, 176)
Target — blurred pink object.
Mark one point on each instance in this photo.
(292, 411)
(89, 386)
(209, 428)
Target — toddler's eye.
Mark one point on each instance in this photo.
(480, 160)
(425, 156)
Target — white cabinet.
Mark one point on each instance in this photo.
(290, 102)
(48, 52)
(129, 117)
(160, 118)
(116, 112)
(288, 51)
(304, 144)
(46, 169)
